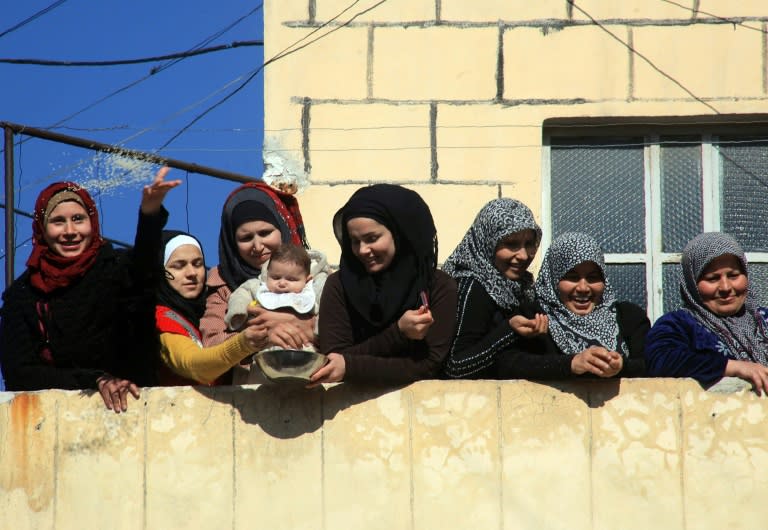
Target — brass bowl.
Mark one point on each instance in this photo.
(289, 365)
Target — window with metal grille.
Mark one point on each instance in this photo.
(643, 197)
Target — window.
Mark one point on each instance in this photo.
(644, 196)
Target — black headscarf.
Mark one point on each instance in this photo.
(191, 309)
(255, 201)
(382, 298)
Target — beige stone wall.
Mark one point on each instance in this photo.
(451, 96)
(630, 454)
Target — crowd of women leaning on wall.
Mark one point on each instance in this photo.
(86, 316)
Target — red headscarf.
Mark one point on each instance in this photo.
(48, 270)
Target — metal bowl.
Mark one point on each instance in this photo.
(289, 365)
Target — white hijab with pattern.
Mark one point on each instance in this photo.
(474, 256)
(571, 332)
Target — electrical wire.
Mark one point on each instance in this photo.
(724, 19)
(32, 17)
(280, 55)
(156, 58)
(644, 58)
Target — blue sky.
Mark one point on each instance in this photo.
(141, 117)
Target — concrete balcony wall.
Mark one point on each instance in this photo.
(631, 454)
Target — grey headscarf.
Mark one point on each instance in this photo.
(571, 332)
(744, 333)
(474, 256)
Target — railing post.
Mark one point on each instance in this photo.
(10, 225)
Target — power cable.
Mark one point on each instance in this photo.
(192, 53)
(644, 58)
(724, 19)
(285, 52)
(152, 72)
(32, 17)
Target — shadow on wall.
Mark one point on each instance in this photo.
(299, 410)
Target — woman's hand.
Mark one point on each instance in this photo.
(597, 360)
(114, 391)
(256, 336)
(530, 327)
(415, 323)
(152, 196)
(331, 372)
(286, 330)
(755, 373)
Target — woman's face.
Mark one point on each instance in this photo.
(372, 243)
(256, 240)
(723, 285)
(514, 253)
(68, 230)
(187, 270)
(582, 288)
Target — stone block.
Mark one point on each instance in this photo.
(391, 11)
(453, 208)
(27, 460)
(278, 457)
(436, 63)
(570, 63)
(486, 142)
(318, 205)
(711, 61)
(100, 460)
(190, 464)
(455, 445)
(726, 9)
(726, 446)
(545, 459)
(457, 11)
(328, 65)
(367, 458)
(632, 10)
(636, 453)
(370, 142)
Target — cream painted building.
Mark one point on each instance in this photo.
(641, 122)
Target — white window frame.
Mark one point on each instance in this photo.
(653, 259)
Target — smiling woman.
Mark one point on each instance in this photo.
(81, 315)
(387, 315)
(590, 334)
(720, 331)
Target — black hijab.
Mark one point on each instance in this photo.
(255, 201)
(191, 309)
(381, 298)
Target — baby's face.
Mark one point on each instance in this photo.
(285, 277)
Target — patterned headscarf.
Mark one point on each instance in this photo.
(48, 270)
(255, 201)
(743, 333)
(571, 332)
(474, 256)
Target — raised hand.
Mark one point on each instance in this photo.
(152, 195)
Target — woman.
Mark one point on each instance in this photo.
(495, 289)
(590, 333)
(387, 316)
(181, 303)
(82, 315)
(720, 331)
(255, 220)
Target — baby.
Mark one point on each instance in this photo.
(288, 284)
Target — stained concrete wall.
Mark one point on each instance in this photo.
(451, 97)
(634, 454)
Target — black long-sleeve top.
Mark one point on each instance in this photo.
(103, 322)
(540, 358)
